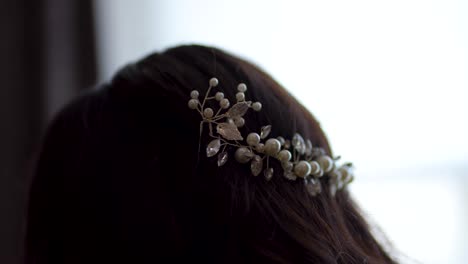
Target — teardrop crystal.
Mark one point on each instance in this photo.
(317, 152)
(222, 158)
(308, 149)
(314, 187)
(298, 143)
(333, 186)
(268, 173)
(238, 110)
(256, 165)
(213, 147)
(265, 131)
(290, 175)
(287, 144)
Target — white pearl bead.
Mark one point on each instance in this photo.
(257, 106)
(224, 103)
(281, 140)
(326, 163)
(208, 112)
(284, 155)
(302, 168)
(194, 94)
(242, 87)
(213, 82)
(315, 168)
(272, 146)
(319, 174)
(219, 96)
(240, 97)
(260, 147)
(243, 155)
(193, 103)
(239, 121)
(253, 139)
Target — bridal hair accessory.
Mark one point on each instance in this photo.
(298, 158)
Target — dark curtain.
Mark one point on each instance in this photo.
(47, 54)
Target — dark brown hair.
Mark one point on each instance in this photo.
(120, 178)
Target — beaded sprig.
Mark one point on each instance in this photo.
(298, 158)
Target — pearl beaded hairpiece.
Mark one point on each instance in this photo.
(299, 159)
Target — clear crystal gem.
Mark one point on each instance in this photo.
(268, 173)
(265, 131)
(290, 175)
(317, 152)
(314, 186)
(213, 147)
(256, 165)
(281, 140)
(298, 143)
(222, 158)
(333, 186)
(308, 150)
(287, 144)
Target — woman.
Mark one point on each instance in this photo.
(133, 173)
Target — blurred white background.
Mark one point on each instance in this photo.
(388, 80)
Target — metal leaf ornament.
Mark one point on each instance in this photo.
(256, 165)
(238, 110)
(229, 131)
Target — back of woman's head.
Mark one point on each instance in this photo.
(121, 178)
